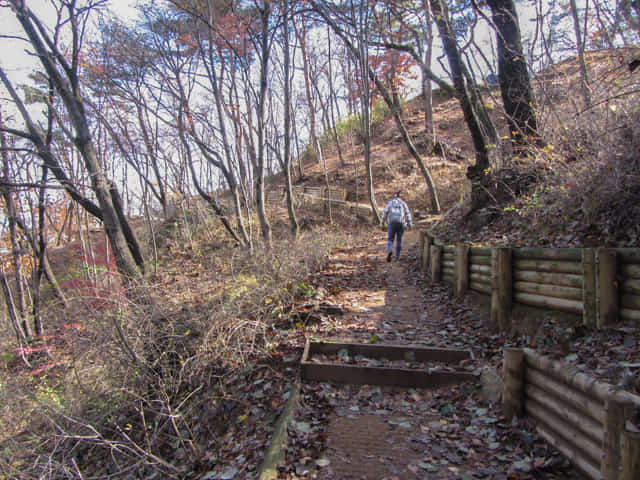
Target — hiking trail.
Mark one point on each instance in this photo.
(388, 433)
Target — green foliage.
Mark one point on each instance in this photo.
(33, 95)
(351, 124)
(304, 290)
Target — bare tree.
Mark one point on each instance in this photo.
(65, 77)
(394, 106)
(286, 163)
(467, 96)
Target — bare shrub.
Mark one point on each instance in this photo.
(593, 153)
(134, 377)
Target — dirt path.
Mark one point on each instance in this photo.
(372, 432)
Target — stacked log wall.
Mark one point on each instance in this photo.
(629, 273)
(586, 420)
(601, 284)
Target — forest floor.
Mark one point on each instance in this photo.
(370, 432)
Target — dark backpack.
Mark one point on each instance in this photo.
(396, 214)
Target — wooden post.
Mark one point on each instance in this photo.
(462, 269)
(501, 288)
(607, 287)
(615, 414)
(630, 455)
(513, 373)
(436, 262)
(428, 241)
(421, 236)
(589, 295)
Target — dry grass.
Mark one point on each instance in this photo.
(123, 381)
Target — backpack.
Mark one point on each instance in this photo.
(396, 214)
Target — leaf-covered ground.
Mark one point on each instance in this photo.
(348, 431)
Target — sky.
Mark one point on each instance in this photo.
(18, 65)
(14, 58)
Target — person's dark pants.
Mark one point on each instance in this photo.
(395, 231)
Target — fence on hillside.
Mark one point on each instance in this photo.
(601, 284)
(335, 197)
(592, 424)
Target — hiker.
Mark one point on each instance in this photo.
(398, 217)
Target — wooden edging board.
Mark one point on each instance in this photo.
(400, 377)
(278, 442)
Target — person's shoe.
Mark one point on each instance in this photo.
(389, 257)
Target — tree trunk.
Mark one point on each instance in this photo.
(476, 173)
(21, 335)
(302, 34)
(287, 120)
(396, 110)
(132, 240)
(365, 105)
(12, 216)
(427, 91)
(333, 102)
(584, 80)
(124, 258)
(227, 171)
(259, 174)
(515, 84)
(42, 258)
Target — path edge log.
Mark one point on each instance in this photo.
(426, 249)
(615, 414)
(589, 282)
(462, 269)
(607, 286)
(436, 262)
(513, 373)
(630, 455)
(501, 288)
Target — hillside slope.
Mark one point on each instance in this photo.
(582, 188)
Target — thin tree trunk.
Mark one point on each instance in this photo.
(427, 90)
(259, 175)
(365, 105)
(302, 34)
(332, 100)
(208, 198)
(48, 272)
(12, 214)
(21, 336)
(227, 171)
(287, 119)
(42, 258)
(584, 79)
(298, 154)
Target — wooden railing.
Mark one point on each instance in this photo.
(591, 423)
(601, 284)
(334, 196)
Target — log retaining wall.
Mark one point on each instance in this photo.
(588, 421)
(600, 284)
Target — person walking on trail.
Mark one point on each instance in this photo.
(398, 217)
